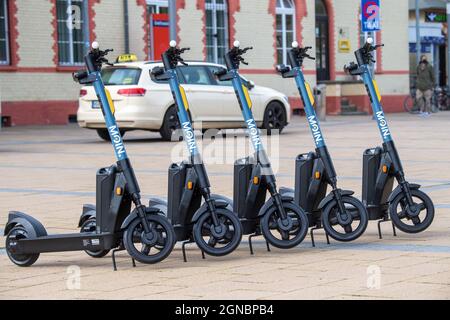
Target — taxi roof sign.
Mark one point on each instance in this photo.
(127, 58)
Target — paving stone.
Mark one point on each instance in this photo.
(61, 178)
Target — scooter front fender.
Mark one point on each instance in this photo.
(269, 203)
(330, 197)
(220, 203)
(399, 190)
(134, 215)
(34, 227)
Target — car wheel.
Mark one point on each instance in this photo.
(104, 134)
(171, 123)
(274, 117)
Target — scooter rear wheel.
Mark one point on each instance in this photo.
(149, 248)
(273, 230)
(22, 260)
(345, 231)
(89, 226)
(222, 241)
(412, 215)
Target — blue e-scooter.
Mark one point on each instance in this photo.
(410, 209)
(144, 232)
(342, 216)
(213, 226)
(282, 223)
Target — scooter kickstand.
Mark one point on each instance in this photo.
(328, 237)
(203, 255)
(379, 229)
(268, 246)
(312, 236)
(386, 219)
(250, 244)
(394, 230)
(113, 256)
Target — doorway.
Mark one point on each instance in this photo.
(322, 42)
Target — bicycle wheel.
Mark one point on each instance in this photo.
(410, 105)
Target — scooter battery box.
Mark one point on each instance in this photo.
(177, 177)
(106, 178)
(242, 174)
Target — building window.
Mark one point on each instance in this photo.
(216, 30)
(4, 41)
(285, 15)
(73, 31)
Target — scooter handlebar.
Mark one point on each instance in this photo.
(174, 53)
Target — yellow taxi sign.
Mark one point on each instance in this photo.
(127, 58)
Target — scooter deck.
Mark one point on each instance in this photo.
(65, 242)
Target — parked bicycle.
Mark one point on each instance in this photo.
(439, 101)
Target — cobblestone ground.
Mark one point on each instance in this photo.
(49, 172)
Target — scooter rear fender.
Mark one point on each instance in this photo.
(34, 227)
(88, 212)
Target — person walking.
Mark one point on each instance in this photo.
(425, 84)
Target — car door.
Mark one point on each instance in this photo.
(203, 97)
(231, 110)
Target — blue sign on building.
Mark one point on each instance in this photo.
(370, 17)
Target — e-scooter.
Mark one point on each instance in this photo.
(410, 209)
(283, 223)
(144, 232)
(213, 226)
(342, 216)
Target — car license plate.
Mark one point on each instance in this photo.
(95, 104)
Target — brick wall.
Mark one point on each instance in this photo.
(38, 80)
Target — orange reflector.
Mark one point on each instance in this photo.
(119, 191)
(190, 185)
(385, 169)
(317, 175)
(255, 180)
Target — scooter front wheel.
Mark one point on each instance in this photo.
(22, 260)
(89, 226)
(218, 240)
(412, 219)
(348, 227)
(152, 247)
(280, 235)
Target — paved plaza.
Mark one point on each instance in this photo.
(49, 172)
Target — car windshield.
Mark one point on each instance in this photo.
(121, 76)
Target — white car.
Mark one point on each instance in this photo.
(144, 103)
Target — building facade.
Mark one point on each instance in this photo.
(43, 41)
(433, 37)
